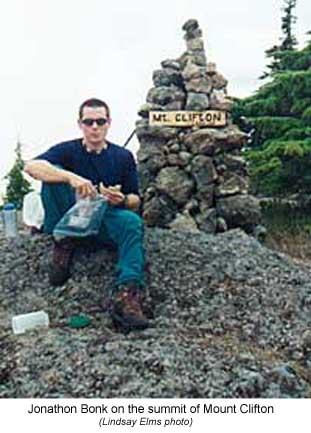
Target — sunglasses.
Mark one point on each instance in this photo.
(99, 122)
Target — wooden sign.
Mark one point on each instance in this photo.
(212, 118)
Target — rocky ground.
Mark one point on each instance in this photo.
(230, 318)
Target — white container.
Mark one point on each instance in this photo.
(23, 322)
(10, 220)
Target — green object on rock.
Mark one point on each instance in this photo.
(80, 321)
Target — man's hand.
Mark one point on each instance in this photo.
(112, 194)
(84, 187)
(115, 198)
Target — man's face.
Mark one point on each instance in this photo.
(94, 133)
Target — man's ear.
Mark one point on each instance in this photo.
(79, 123)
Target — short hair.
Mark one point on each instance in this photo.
(94, 102)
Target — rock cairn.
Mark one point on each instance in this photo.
(193, 178)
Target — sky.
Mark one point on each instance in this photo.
(57, 53)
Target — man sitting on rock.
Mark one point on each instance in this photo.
(77, 167)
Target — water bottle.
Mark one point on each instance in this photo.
(23, 322)
(10, 220)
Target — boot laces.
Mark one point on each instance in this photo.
(129, 301)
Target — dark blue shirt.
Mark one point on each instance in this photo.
(113, 166)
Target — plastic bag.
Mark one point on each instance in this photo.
(33, 212)
(83, 219)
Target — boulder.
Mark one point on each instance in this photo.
(167, 77)
(207, 220)
(197, 101)
(203, 171)
(231, 183)
(164, 95)
(199, 85)
(185, 223)
(239, 211)
(159, 211)
(175, 183)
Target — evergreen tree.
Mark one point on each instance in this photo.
(17, 186)
(288, 40)
(280, 111)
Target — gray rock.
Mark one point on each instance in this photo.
(147, 176)
(260, 232)
(160, 211)
(152, 158)
(207, 221)
(164, 95)
(174, 147)
(199, 85)
(146, 133)
(192, 206)
(220, 102)
(190, 25)
(203, 171)
(192, 71)
(201, 141)
(219, 81)
(231, 183)
(174, 106)
(236, 163)
(175, 183)
(229, 138)
(171, 64)
(285, 376)
(167, 77)
(179, 160)
(197, 101)
(206, 195)
(198, 58)
(211, 68)
(184, 222)
(173, 159)
(251, 384)
(195, 44)
(306, 340)
(192, 34)
(185, 157)
(221, 226)
(146, 108)
(239, 211)
(195, 57)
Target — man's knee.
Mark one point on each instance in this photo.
(131, 221)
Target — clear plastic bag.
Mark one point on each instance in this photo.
(83, 219)
(33, 212)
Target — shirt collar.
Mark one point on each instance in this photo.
(95, 152)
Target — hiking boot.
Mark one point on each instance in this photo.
(126, 309)
(61, 261)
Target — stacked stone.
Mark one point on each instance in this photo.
(193, 178)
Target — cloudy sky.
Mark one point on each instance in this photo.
(57, 53)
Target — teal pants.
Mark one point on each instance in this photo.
(122, 228)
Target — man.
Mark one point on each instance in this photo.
(78, 167)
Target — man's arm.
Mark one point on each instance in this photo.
(46, 172)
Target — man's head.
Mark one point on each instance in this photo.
(94, 121)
